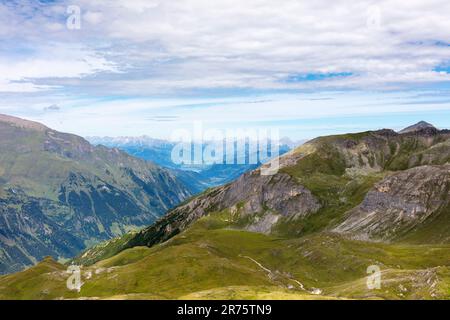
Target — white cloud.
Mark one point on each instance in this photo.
(196, 44)
(307, 113)
(193, 47)
(19, 74)
(20, 87)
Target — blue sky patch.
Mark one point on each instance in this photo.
(316, 76)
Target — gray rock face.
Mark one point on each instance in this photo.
(279, 193)
(382, 150)
(399, 203)
(273, 196)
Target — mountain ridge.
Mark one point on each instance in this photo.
(338, 205)
(85, 193)
(22, 122)
(319, 168)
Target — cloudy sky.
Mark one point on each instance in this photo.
(134, 67)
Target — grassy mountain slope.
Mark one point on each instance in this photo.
(278, 236)
(210, 260)
(318, 183)
(59, 194)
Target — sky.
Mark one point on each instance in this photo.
(306, 68)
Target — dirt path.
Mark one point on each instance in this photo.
(270, 273)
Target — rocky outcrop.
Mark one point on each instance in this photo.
(387, 150)
(270, 196)
(399, 204)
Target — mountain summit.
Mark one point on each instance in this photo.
(418, 127)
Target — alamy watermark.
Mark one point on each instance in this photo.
(373, 21)
(374, 277)
(227, 147)
(74, 281)
(73, 21)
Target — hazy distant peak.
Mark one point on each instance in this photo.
(127, 141)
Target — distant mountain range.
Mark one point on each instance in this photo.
(59, 194)
(199, 177)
